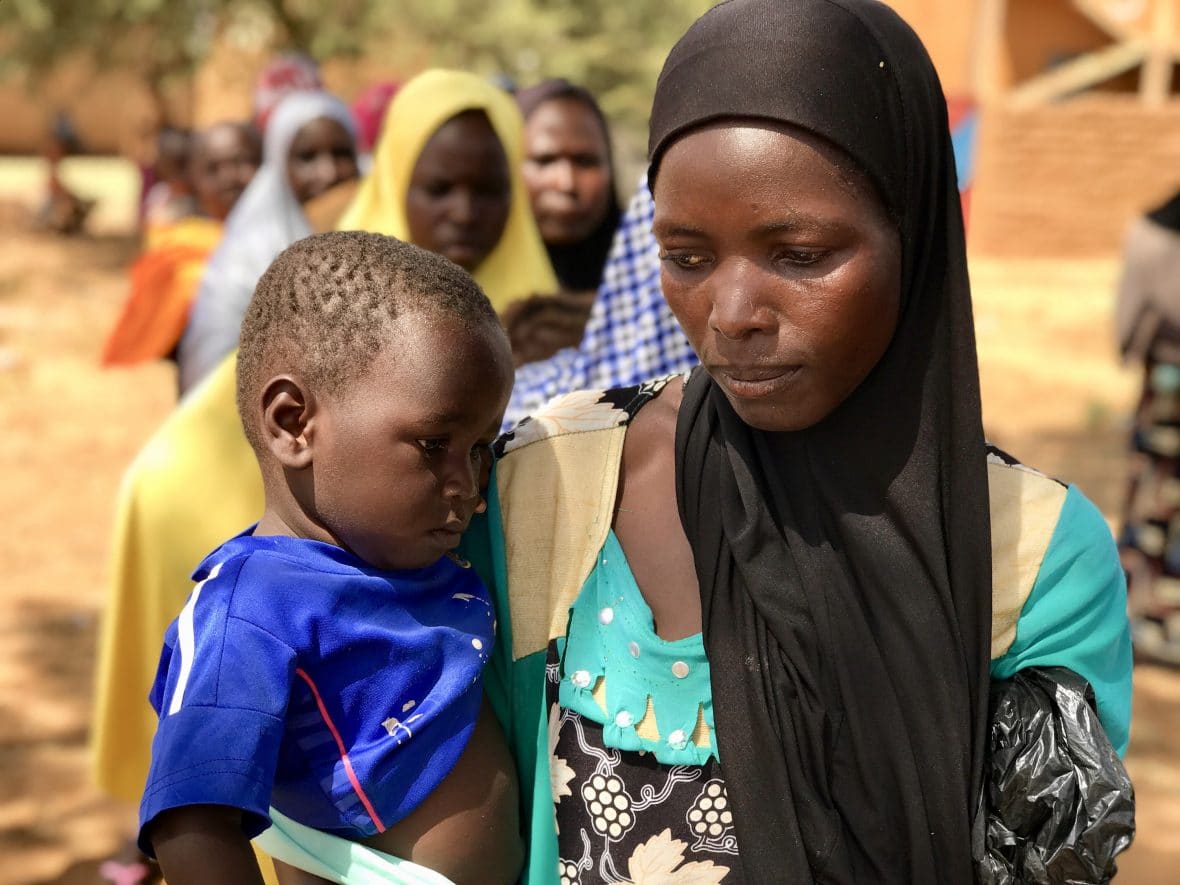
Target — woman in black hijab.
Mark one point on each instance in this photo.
(570, 176)
(768, 647)
(831, 482)
(571, 180)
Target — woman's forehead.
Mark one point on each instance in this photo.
(778, 155)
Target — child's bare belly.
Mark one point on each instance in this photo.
(468, 829)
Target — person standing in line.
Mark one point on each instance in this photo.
(310, 149)
(569, 171)
(1148, 325)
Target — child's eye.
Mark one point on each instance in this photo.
(433, 446)
(479, 450)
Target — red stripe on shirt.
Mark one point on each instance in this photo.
(352, 778)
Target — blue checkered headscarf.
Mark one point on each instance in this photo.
(631, 336)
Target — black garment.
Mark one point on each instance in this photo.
(578, 266)
(1167, 214)
(845, 570)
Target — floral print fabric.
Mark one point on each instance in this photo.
(622, 816)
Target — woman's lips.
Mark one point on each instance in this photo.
(754, 382)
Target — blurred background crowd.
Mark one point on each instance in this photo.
(156, 155)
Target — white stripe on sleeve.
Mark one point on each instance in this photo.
(186, 638)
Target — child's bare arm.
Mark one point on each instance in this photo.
(204, 843)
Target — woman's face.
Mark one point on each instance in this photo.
(224, 159)
(567, 170)
(321, 156)
(460, 191)
(781, 265)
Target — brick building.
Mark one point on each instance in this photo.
(1079, 121)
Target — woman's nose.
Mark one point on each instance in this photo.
(738, 308)
(562, 176)
(326, 169)
(462, 207)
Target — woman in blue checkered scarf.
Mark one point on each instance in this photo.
(631, 336)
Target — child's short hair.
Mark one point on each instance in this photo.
(327, 305)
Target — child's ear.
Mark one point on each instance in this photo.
(288, 420)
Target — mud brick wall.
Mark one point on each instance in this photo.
(1067, 179)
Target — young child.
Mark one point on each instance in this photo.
(328, 660)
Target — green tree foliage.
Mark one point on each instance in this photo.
(614, 47)
(169, 37)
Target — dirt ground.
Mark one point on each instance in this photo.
(1053, 395)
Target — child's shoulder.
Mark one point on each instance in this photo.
(242, 577)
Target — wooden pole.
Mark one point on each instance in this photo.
(1155, 83)
(991, 17)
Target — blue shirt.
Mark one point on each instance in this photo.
(300, 677)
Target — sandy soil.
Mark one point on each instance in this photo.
(1053, 395)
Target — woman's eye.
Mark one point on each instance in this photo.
(433, 446)
(479, 450)
(802, 257)
(686, 260)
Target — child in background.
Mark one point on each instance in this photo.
(62, 211)
(328, 661)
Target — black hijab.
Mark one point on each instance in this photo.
(578, 265)
(845, 570)
(1167, 214)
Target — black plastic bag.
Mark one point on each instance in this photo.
(1057, 805)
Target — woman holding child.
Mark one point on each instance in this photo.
(749, 619)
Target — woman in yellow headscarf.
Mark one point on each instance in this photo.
(446, 177)
(438, 180)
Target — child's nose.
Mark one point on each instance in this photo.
(463, 479)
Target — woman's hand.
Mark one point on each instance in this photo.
(541, 325)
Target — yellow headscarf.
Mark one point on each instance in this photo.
(518, 266)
